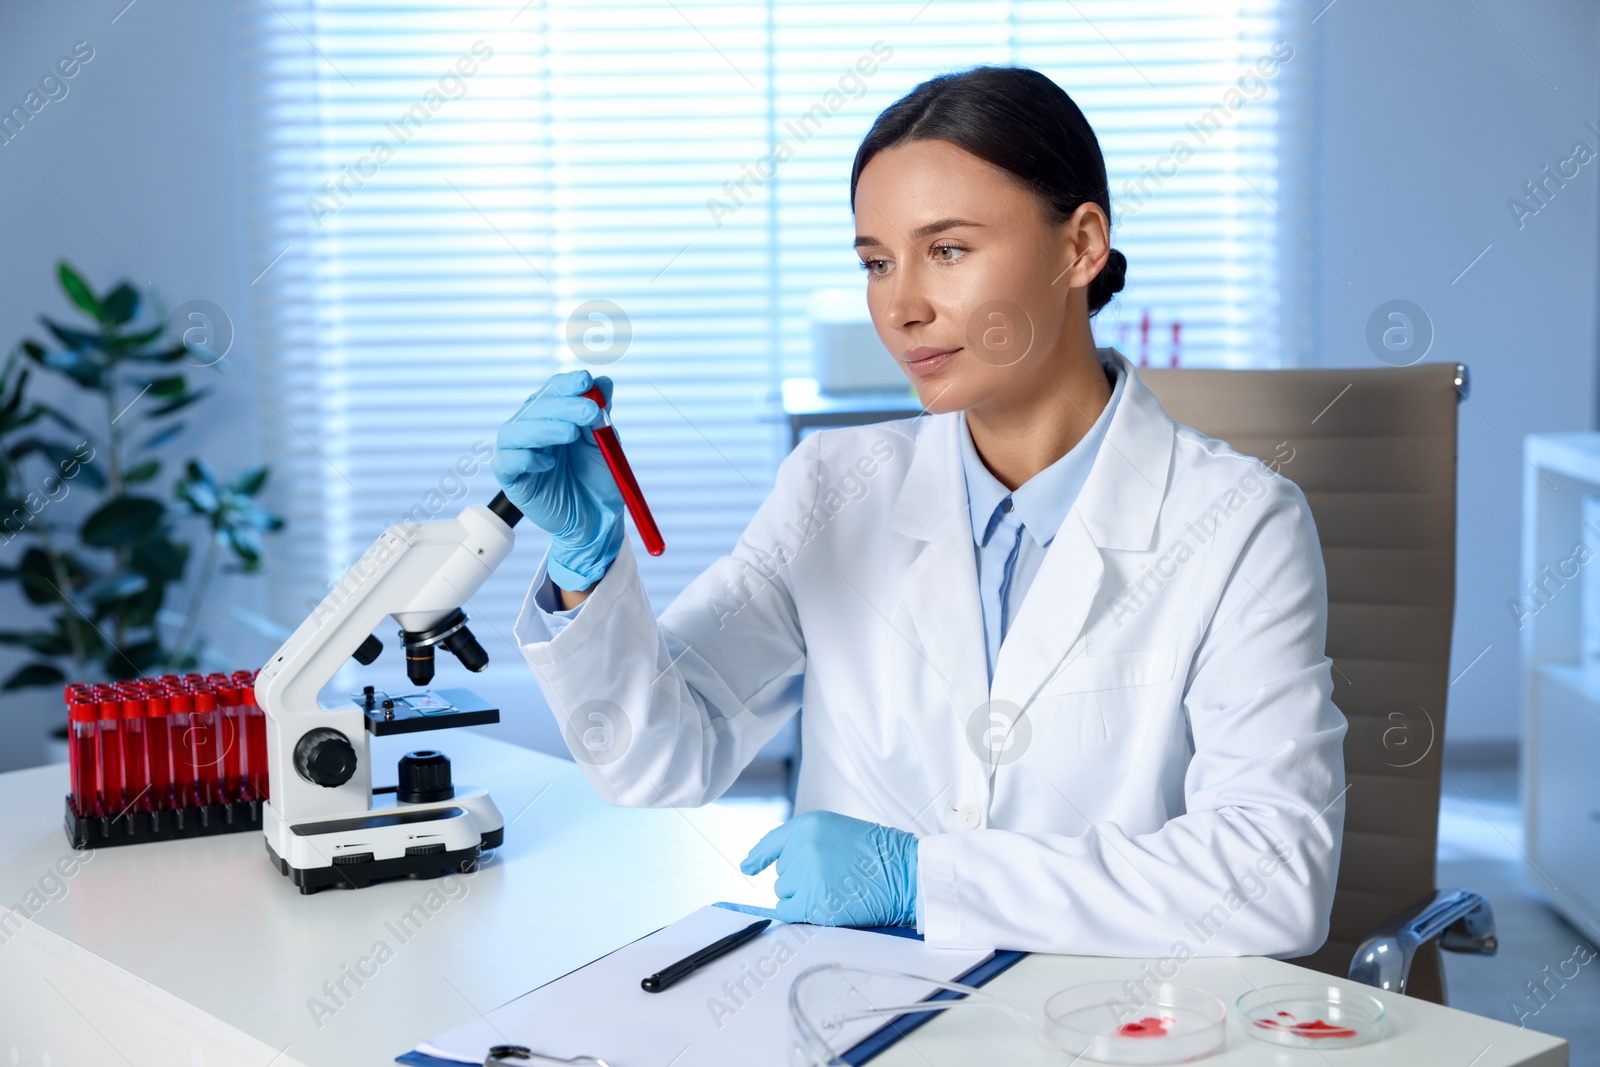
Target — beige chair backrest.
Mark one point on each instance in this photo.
(1374, 451)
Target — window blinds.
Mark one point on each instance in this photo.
(449, 202)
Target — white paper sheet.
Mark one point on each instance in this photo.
(731, 1013)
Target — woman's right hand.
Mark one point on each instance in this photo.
(548, 464)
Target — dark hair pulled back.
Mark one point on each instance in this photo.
(1020, 121)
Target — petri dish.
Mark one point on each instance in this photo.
(1116, 1022)
(1311, 1015)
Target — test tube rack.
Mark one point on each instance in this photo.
(159, 759)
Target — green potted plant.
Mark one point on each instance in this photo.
(109, 575)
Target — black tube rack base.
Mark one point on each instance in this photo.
(137, 827)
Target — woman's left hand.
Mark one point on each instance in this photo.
(837, 871)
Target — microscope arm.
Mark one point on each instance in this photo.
(418, 573)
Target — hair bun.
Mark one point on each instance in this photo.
(1109, 281)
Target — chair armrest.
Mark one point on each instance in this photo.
(1461, 919)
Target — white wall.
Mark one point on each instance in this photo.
(144, 146)
(1431, 119)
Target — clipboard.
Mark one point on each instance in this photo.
(868, 1047)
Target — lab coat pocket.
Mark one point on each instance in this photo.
(1083, 673)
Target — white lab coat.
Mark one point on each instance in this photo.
(1157, 769)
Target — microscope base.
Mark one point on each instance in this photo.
(389, 840)
(361, 875)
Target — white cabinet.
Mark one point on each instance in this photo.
(1561, 724)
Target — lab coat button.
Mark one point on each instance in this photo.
(968, 817)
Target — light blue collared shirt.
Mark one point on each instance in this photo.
(1007, 561)
(547, 598)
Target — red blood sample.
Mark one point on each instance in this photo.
(205, 746)
(180, 725)
(158, 751)
(255, 734)
(1149, 1026)
(80, 747)
(1316, 1028)
(108, 757)
(233, 749)
(135, 765)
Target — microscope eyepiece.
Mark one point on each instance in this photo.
(508, 512)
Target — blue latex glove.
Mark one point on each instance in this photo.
(837, 871)
(547, 462)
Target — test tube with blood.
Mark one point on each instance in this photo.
(232, 742)
(180, 727)
(158, 749)
(605, 436)
(135, 761)
(255, 723)
(108, 756)
(206, 745)
(82, 717)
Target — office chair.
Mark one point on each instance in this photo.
(1374, 451)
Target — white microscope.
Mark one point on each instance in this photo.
(324, 823)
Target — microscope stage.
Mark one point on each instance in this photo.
(428, 709)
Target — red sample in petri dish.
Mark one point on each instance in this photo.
(1149, 1026)
(1316, 1028)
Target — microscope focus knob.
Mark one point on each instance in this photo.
(325, 757)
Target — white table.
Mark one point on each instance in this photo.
(199, 953)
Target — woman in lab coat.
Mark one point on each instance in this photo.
(1061, 659)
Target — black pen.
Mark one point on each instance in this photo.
(677, 972)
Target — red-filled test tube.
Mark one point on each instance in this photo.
(80, 745)
(632, 495)
(180, 725)
(108, 757)
(135, 762)
(255, 722)
(205, 748)
(158, 750)
(233, 751)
